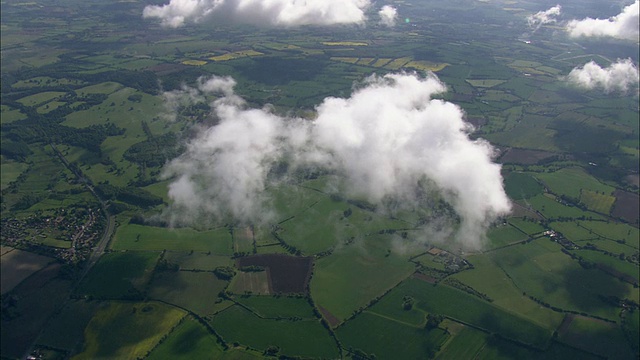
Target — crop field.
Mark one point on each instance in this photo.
(126, 330)
(119, 275)
(464, 345)
(16, 265)
(189, 340)
(142, 237)
(195, 291)
(251, 282)
(627, 206)
(287, 274)
(306, 338)
(357, 273)
(597, 202)
(372, 334)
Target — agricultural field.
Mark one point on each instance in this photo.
(119, 239)
(128, 330)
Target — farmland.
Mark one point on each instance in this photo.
(97, 260)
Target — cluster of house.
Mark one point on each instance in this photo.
(79, 228)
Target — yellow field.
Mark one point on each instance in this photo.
(350, 60)
(596, 201)
(365, 61)
(398, 63)
(486, 83)
(235, 55)
(280, 46)
(426, 66)
(381, 62)
(194, 62)
(128, 330)
(344, 43)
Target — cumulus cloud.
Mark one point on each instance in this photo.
(262, 12)
(544, 17)
(385, 141)
(621, 26)
(388, 15)
(619, 76)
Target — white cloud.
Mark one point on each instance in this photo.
(544, 17)
(384, 140)
(262, 12)
(388, 15)
(619, 76)
(621, 26)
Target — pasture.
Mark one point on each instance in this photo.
(464, 345)
(189, 340)
(128, 330)
(278, 306)
(520, 186)
(355, 274)
(387, 339)
(540, 270)
(598, 337)
(570, 182)
(488, 278)
(305, 338)
(195, 291)
(460, 306)
(142, 237)
(119, 275)
(65, 330)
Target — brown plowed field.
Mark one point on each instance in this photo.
(288, 274)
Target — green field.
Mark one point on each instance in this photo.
(464, 345)
(65, 330)
(488, 278)
(306, 338)
(527, 226)
(570, 181)
(540, 270)
(126, 330)
(140, 237)
(373, 334)
(597, 336)
(503, 235)
(197, 260)
(194, 291)
(119, 275)
(276, 307)
(189, 340)
(355, 274)
(521, 186)
(466, 308)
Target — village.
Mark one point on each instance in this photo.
(67, 234)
